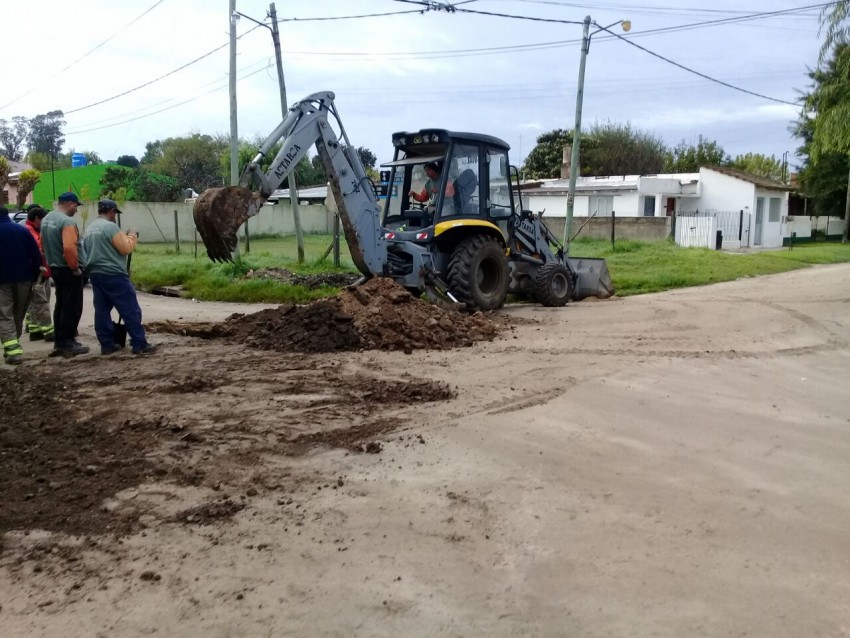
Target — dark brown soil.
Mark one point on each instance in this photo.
(378, 315)
(209, 512)
(56, 469)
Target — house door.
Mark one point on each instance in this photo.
(671, 206)
(759, 221)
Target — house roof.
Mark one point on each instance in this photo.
(762, 182)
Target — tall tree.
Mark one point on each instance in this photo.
(12, 136)
(4, 173)
(45, 134)
(688, 158)
(758, 165)
(621, 149)
(194, 160)
(607, 148)
(92, 158)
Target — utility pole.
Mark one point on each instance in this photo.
(284, 109)
(574, 158)
(234, 130)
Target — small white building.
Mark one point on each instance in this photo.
(749, 210)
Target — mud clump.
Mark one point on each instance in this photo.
(332, 279)
(378, 315)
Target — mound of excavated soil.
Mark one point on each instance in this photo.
(378, 315)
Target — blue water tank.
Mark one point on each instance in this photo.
(77, 160)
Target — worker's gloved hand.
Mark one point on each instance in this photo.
(77, 272)
(43, 270)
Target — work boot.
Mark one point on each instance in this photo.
(109, 350)
(36, 336)
(49, 337)
(14, 360)
(72, 351)
(148, 348)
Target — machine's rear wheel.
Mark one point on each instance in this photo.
(553, 285)
(478, 273)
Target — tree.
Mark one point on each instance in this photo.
(45, 134)
(153, 151)
(194, 160)
(688, 158)
(4, 173)
(26, 183)
(621, 149)
(759, 165)
(129, 161)
(606, 149)
(140, 185)
(367, 157)
(12, 137)
(92, 158)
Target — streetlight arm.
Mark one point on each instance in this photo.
(236, 14)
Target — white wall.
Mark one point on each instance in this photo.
(155, 220)
(625, 204)
(721, 192)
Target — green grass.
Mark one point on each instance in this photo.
(636, 267)
(640, 267)
(155, 265)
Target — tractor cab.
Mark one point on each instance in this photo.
(441, 180)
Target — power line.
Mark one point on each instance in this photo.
(89, 52)
(430, 4)
(167, 108)
(161, 77)
(353, 17)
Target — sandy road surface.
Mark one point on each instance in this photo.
(665, 465)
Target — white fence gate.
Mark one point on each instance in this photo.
(693, 231)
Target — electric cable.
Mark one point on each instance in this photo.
(87, 53)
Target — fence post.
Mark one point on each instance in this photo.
(247, 238)
(740, 227)
(176, 234)
(613, 228)
(718, 240)
(793, 237)
(196, 243)
(336, 241)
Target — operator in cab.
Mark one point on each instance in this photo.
(432, 185)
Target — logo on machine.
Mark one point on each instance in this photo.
(287, 160)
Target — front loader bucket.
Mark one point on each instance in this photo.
(218, 213)
(592, 278)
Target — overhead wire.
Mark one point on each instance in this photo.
(157, 79)
(87, 53)
(167, 108)
(452, 9)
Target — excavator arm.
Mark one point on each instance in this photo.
(220, 212)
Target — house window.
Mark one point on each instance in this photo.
(775, 206)
(649, 206)
(600, 206)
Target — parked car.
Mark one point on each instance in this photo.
(18, 216)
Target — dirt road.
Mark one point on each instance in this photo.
(664, 465)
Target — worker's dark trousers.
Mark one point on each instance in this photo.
(116, 291)
(69, 307)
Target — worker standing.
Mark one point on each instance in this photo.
(39, 320)
(107, 249)
(63, 249)
(20, 265)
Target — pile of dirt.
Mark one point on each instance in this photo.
(378, 315)
(332, 279)
(57, 469)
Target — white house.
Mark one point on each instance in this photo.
(747, 209)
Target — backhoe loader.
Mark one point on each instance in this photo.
(469, 242)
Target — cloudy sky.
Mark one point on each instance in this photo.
(503, 76)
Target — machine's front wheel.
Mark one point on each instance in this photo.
(553, 285)
(478, 273)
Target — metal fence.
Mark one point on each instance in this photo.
(734, 225)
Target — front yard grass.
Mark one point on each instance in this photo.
(636, 267)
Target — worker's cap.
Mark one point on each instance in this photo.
(106, 205)
(69, 197)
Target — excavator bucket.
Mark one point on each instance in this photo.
(592, 278)
(218, 213)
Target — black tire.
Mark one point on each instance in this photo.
(478, 273)
(553, 285)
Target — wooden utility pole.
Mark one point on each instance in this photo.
(284, 109)
(234, 131)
